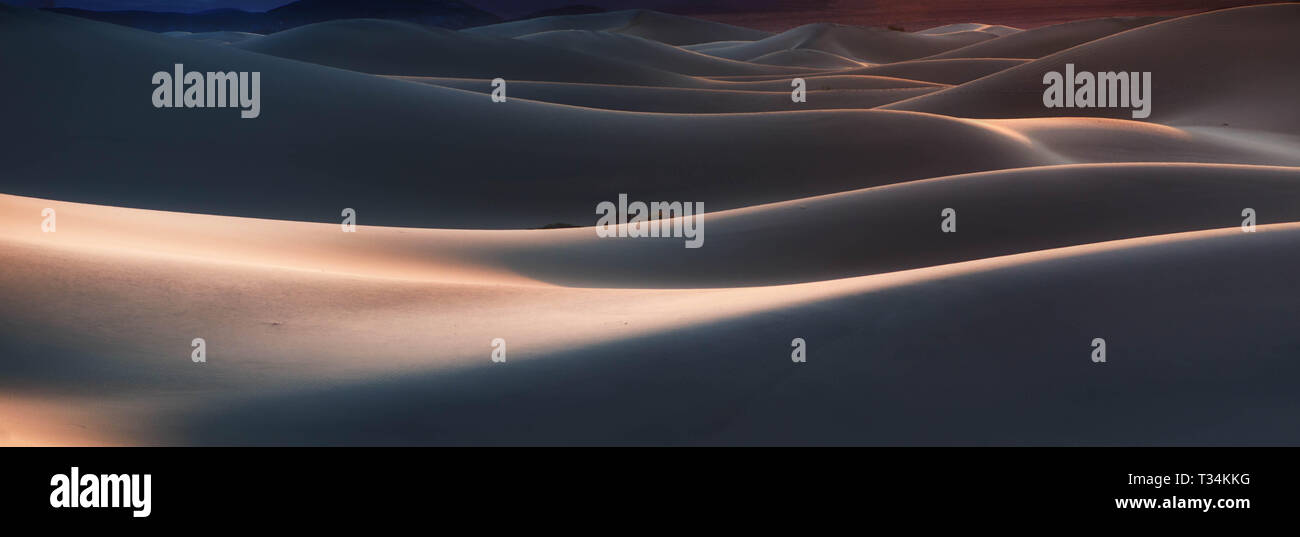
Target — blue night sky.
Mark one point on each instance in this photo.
(496, 6)
(1023, 13)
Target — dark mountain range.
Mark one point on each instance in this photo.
(575, 9)
(442, 13)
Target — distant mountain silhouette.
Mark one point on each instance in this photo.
(576, 9)
(442, 13)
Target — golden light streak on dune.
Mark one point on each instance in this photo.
(124, 290)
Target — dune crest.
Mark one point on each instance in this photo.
(662, 27)
(869, 45)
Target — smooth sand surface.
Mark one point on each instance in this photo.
(296, 356)
(994, 352)
(648, 52)
(224, 38)
(698, 100)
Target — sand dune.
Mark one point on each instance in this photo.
(1196, 82)
(823, 223)
(701, 47)
(1039, 42)
(831, 81)
(646, 52)
(894, 228)
(948, 72)
(872, 45)
(966, 354)
(806, 58)
(399, 48)
(403, 161)
(694, 100)
(288, 339)
(995, 29)
(224, 38)
(396, 48)
(1114, 140)
(951, 71)
(410, 146)
(662, 27)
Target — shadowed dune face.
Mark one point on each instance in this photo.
(995, 29)
(871, 45)
(399, 48)
(946, 71)
(806, 57)
(914, 354)
(224, 38)
(642, 51)
(661, 27)
(994, 373)
(1040, 42)
(1196, 81)
(823, 222)
(405, 139)
(869, 231)
(704, 101)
